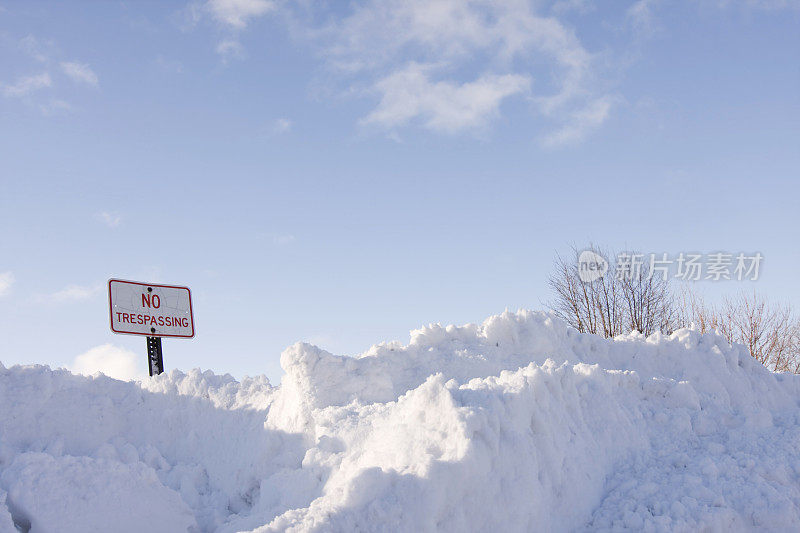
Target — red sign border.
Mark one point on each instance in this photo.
(111, 309)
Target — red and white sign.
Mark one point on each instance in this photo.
(150, 309)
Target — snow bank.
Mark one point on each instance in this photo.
(517, 424)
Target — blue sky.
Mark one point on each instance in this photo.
(341, 173)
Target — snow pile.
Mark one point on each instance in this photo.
(517, 424)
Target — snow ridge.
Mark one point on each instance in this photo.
(516, 424)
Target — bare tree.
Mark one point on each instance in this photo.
(793, 364)
(649, 304)
(766, 328)
(632, 297)
(693, 312)
(593, 307)
(617, 302)
(770, 331)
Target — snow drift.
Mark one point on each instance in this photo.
(517, 424)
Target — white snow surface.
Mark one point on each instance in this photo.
(517, 424)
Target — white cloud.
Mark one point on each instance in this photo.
(27, 85)
(72, 293)
(31, 46)
(6, 281)
(580, 123)
(79, 72)
(233, 16)
(449, 30)
(113, 361)
(579, 6)
(230, 48)
(237, 13)
(169, 65)
(112, 220)
(640, 17)
(282, 240)
(55, 106)
(443, 106)
(479, 52)
(281, 125)
(446, 65)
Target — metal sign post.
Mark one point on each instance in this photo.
(151, 310)
(155, 358)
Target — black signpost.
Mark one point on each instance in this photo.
(155, 358)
